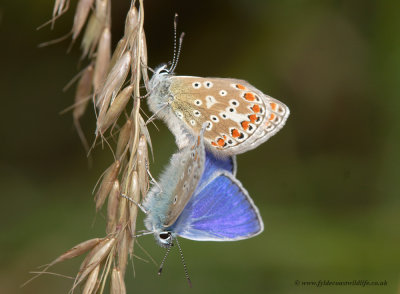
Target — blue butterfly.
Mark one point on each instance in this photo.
(200, 199)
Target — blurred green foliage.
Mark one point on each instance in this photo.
(327, 184)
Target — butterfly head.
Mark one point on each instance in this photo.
(164, 238)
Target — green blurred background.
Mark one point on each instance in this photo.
(327, 184)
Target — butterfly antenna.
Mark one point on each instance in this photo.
(184, 264)
(176, 53)
(179, 51)
(163, 261)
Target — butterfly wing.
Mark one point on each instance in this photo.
(193, 165)
(178, 183)
(214, 164)
(220, 211)
(239, 117)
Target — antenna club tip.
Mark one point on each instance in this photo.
(159, 271)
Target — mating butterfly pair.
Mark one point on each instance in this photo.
(213, 119)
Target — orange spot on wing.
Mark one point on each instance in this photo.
(241, 87)
(213, 143)
(256, 108)
(272, 116)
(235, 133)
(221, 142)
(245, 125)
(224, 137)
(253, 118)
(273, 105)
(249, 97)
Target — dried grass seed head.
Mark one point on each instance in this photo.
(123, 139)
(97, 21)
(117, 285)
(81, 14)
(107, 184)
(119, 50)
(123, 251)
(142, 165)
(83, 93)
(102, 59)
(113, 84)
(115, 109)
(112, 207)
(91, 282)
(134, 193)
(100, 254)
(131, 25)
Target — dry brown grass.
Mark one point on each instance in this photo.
(111, 81)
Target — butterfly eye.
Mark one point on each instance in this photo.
(208, 84)
(223, 93)
(196, 85)
(164, 235)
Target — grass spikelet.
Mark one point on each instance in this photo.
(123, 251)
(102, 59)
(97, 21)
(119, 50)
(143, 159)
(96, 259)
(77, 250)
(134, 193)
(123, 139)
(114, 81)
(131, 24)
(83, 91)
(81, 14)
(91, 282)
(107, 184)
(112, 206)
(117, 282)
(143, 59)
(115, 109)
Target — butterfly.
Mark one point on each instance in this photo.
(238, 116)
(199, 198)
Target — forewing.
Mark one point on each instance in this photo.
(221, 211)
(192, 159)
(236, 113)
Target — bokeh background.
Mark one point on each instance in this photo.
(327, 184)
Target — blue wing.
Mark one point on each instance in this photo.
(214, 164)
(220, 211)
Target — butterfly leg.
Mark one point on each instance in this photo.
(153, 180)
(134, 202)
